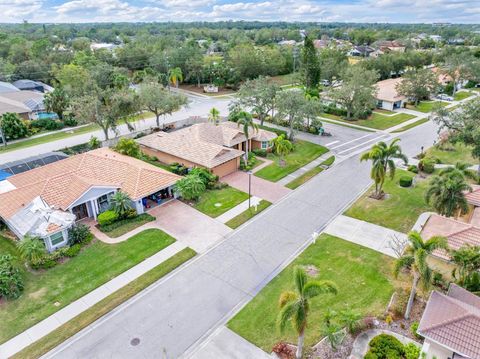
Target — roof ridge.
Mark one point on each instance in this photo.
(470, 226)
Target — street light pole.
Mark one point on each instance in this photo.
(249, 187)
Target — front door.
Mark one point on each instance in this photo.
(80, 211)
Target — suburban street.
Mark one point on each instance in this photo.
(180, 311)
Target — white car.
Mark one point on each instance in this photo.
(444, 97)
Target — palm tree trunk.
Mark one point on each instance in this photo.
(246, 153)
(412, 295)
(301, 337)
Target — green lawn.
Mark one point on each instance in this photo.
(247, 215)
(412, 125)
(107, 304)
(376, 121)
(453, 154)
(462, 95)
(216, 202)
(399, 211)
(427, 106)
(363, 278)
(48, 291)
(126, 225)
(307, 176)
(304, 152)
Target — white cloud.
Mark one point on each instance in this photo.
(17, 10)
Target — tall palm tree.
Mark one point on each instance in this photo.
(282, 147)
(461, 169)
(31, 249)
(214, 115)
(295, 305)
(175, 76)
(414, 259)
(382, 157)
(121, 203)
(446, 193)
(246, 120)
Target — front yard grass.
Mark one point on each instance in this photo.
(363, 277)
(304, 152)
(427, 106)
(123, 226)
(307, 176)
(376, 121)
(218, 201)
(412, 125)
(49, 291)
(401, 208)
(247, 214)
(107, 304)
(453, 154)
(462, 95)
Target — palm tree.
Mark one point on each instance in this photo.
(214, 115)
(446, 193)
(246, 120)
(294, 305)
(461, 169)
(282, 147)
(175, 76)
(467, 261)
(121, 203)
(414, 259)
(382, 157)
(31, 249)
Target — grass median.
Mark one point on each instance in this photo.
(247, 214)
(109, 303)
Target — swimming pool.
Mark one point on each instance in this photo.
(46, 115)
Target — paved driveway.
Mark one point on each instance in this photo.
(264, 189)
(189, 226)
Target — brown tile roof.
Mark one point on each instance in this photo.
(205, 144)
(474, 197)
(387, 90)
(61, 183)
(453, 320)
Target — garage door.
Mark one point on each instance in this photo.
(226, 168)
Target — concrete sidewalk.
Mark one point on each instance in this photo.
(65, 314)
(365, 234)
(224, 343)
(287, 179)
(235, 211)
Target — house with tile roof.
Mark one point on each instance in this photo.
(48, 200)
(458, 232)
(451, 325)
(387, 95)
(217, 148)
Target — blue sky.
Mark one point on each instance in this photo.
(408, 11)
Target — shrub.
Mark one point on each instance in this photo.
(78, 234)
(47, 262)
(107, 217)
(128, 147)
(427, 165)
(252, 159)
(13, 127)
(121, 222)
(178, 169)
(334, 110)
(73, 250)
(260, 152)
(31, 249)
(207, 177)
(413, 330)
(411, 351)
(70, 121)
(191, 187)
(47, 124)
(121, 204)
(11, 281)
(385, 346)
(406, 181)
(412, 168)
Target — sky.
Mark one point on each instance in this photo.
(399, 11)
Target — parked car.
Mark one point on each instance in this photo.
(444, 97)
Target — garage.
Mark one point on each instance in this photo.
(227, 167)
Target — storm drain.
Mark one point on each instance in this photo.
(134, 342)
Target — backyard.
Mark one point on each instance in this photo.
(48, 291)
(452, 153)
(401, 208)
(215, 202)
(303, 153)
(377, 121)
(363, 278)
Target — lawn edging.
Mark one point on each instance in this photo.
(81, 321)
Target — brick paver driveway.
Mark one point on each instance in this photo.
(189, 226)
(264, 189)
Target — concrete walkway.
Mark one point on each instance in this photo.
(365, 234)
(287, 179)
(235, 211)
(59, 318)
(224, 343)
(360, 345)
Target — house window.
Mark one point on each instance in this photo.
(104, 202)
(264, 145)
(56, 238)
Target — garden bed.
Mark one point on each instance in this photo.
(126, 225)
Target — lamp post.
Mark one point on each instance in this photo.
(249, 187)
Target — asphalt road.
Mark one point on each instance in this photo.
(180, 311)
